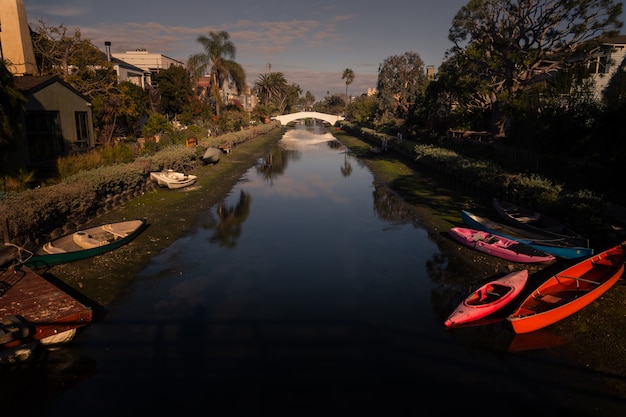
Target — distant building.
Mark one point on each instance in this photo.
(126, 71)
(430, 72)
(150, 63)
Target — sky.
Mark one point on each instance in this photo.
(311, 43)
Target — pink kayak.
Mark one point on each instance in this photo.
(499, 246)
(488, 299)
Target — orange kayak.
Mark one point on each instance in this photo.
(568, 291)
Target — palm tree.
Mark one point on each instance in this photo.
(217, 61)
(348, 75)
(269, 87)
(309, 99)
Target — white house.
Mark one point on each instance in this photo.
(611, 57)
(150, 63)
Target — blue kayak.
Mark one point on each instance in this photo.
(549, 244)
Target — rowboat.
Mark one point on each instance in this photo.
(488, 299)
(568, 291)
(528, 219)
(499, 246)
(35, 312)
(558, 247)
(172, 179)
(84, 243)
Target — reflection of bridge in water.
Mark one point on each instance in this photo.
(287, 118)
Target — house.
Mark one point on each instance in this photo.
(126, 71)
(604, 64)
(57, 122)
(150, 63)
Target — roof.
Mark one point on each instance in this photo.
(30, 84)
(614, 40)
(121, 63)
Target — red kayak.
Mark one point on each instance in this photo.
(499, 246)
(488, 299)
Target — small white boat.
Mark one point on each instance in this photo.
(173, 180)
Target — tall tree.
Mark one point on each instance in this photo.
(309, 99)
(289, 98)
(218, 62)
(401, 84)
(511, 44)
(348, 75)
(175, 89)
(270, 87)
(75, 59)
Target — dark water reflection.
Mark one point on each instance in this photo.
(310, 290)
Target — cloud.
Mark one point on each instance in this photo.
(67, 9)
(258, 44)
(343, 18)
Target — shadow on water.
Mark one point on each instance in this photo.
(245, 367)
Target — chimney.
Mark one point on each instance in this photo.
(15, 41)
(107, 49)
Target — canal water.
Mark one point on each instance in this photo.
(311, 290)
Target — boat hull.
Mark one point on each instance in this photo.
(476, 307)
(173, 180)
(212, 155)
(499, 246)
(35, 312)
(96, 241)
(568, 291)
(528, 219)
(540, 242)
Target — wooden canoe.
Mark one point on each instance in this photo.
(488, 299)
(499, 246)
(526, 218)
(568, 291)
(557, 247)
(85, 243)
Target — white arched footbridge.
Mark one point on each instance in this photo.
(286, 118)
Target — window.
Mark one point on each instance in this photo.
(599, 65)
(82, 128)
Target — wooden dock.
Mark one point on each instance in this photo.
(32, 309)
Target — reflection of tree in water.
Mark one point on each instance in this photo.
(275, 163)
(346, 169)
(228, 227)
(334, 144)
(390, 207)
